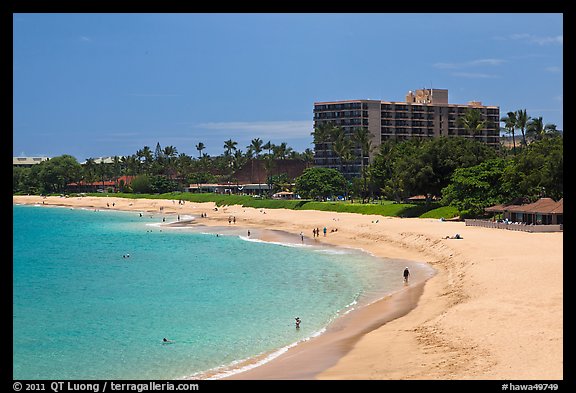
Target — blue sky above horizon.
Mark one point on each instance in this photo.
(94, 85)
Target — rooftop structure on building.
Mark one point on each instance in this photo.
(100, 160)
(27, 162)
(424, 114)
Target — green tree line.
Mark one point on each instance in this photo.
(157, 171)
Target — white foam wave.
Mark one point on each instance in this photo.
(332, 251)
(230, 369)
(295, 245)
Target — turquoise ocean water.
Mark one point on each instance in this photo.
(83, 311)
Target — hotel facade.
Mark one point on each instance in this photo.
(424, 114)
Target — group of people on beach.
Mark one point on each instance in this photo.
(316, 231)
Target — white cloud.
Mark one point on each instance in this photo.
(474, 75)
(554, 69)
(84, 38)
(152, 95)
(534, 39)
(471, 63)
(289, 129)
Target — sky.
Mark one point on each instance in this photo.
(104, 84)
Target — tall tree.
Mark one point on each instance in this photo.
(510, 125)
(362, 137)
(158, 154)
(522, 119)
(131, 164)
(145, 154)
(268, 146)
(323, 136)
(307, 156)
(256, 146)
(281, 151)
(322, 133)
(89, 170)
(103, 171)
(229, 146)
(342, 146)
(169, 153)
(200, 146)
(472, 121)
(116, 167)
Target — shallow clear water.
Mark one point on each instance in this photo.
(83, 311)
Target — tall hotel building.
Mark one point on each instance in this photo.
(426, 113)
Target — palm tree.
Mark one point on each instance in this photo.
(169, 153)
(256, 146)
(282, 150)
(229, 145)
(307, 156)
(103, 172)
(510, 125)
(522, 119)
(132, 164)
(116, 167)
(551, 130)
(146, 155)
(239, 159)
(200, 146)
(363, 138)
(183, 166)
(535, 129)
(323, 135)
(268, 146)
(472, 121)
(342, 146)
(89, 170)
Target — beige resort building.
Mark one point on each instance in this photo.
(425, 113)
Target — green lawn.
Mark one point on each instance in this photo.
(385, 208)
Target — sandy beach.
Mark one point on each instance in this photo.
(494, 310)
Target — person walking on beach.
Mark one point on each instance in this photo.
(302, 236)
(406, 275)
(325, 231)
(297, 323)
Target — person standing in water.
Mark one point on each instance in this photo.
(297, 323)
(406, 275)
